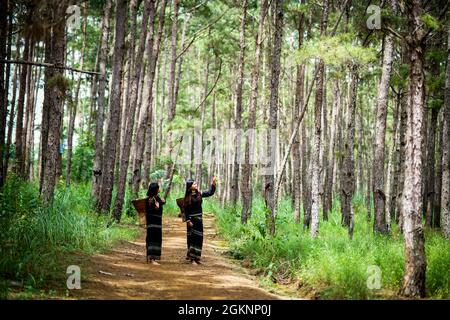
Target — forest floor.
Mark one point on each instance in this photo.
(122, 272)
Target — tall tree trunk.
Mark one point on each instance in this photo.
(31, 115)
(430, 169)
(55, 91)
(20, 165)
(246, 186)
(3, 84)
(4, 164)
(11, 120)
(329, 172)
(395, 165)
(130, 44)
(315, 160)
(445, 194)
(402, 141)
(144, 131)
(100, 113)
(348, 165)
(172, 85)
(73, 106)
(173, 62)
(415, 262)
(273, 113)
(238, 106)
(438, 181)
(306, 177)
(28, 112)
(198, 169)
(379, 194)
(148, 14)
(112, 132)
(299, 102)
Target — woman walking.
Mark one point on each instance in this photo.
(193, 213)
(154, 210)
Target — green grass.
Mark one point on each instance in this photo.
(331, 265)
(35, 240)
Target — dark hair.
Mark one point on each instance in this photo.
(188, 194)
(152, 189)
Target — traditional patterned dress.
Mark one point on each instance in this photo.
(194, 213)
(154, 227)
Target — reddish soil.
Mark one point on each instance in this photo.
(130, 277)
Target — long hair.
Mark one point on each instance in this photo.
(152, 190)
(188, 193)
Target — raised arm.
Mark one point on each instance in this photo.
(161, 200)
(211, 190)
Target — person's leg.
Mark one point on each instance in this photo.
(196, 244)
(200, 244)
(154, 233)
(188, 239)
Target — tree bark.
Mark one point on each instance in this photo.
(100, 113)
(348, 165)
(173, 62)
(415, 262)
(316, 163)
(402, 141)
(329, 172)
(55, 91)
(238, 107)
(273, 114)
(20, 165)
(73, 106)
(11, 121)
(3, 84)
(148, 15)
(112, 133)
(379, 194)
(246, 187)
(199, 166)
(172, 87)
(445, 194)
(394, 172)
(299, 102)
(144, 131)
(430, 167)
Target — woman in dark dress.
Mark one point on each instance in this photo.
(193, 213)
(154, 210)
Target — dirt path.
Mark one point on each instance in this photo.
(132, 278)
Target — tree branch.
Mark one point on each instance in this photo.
(213, 87)
(194, 37)
(48, 65)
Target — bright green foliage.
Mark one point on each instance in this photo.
(430, 21)
(336, 51)
(35, 239)
(332, 265)
(83, 158)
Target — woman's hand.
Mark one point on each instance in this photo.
(214, 182)
(190, 224)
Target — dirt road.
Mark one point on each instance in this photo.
(122, 273)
